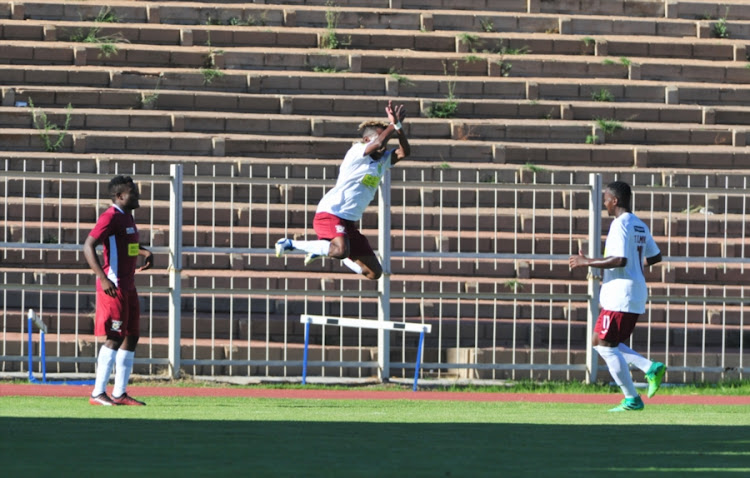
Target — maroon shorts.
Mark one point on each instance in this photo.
(119, 316)
(615, 327)
(327, 226)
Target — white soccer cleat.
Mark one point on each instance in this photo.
(283, 246)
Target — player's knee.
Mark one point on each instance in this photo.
(338, 251)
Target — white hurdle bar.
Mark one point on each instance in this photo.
(364, 324)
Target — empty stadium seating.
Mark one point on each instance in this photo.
(627, 88)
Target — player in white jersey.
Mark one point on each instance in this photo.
(341, 207)
(629, 247)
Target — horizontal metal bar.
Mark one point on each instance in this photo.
(365, 323)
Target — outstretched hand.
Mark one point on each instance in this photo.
(395, 114)
(578, 261)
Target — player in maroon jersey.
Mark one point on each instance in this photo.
(117, 308)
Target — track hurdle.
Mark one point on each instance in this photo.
(364, 324)
(34, 319)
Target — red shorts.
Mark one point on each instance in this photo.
(119, 316)
(327, 226)
(615, 327)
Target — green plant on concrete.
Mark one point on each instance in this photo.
(446, 109)
(720, 29)
(592, 139)
(107, 43)
(693, 209)
(588, 41)
(330, 40)
(210, 74)
(50, 238)
(513, 285)
(52, 135)
(487, 25)
(505, 67)
(444, 165)
(602, 94)
(401, 79)
(470, 41)
(472, 59)
(524, 50)
(148, 100)
(625, 61)
(608, 61)
(609, 126)
(106, 15)
(212, 21)
(533, 168)
(328, 69)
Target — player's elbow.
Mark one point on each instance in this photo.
(653, 259)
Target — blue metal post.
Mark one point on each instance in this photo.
(43, 355)
(419, 359)
(304, 356)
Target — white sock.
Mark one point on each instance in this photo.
(124, 361)
(320, 247)
(618, 368)
(352, 265)
(633, 357)
(103, 369)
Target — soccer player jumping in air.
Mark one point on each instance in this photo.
(117, 308)
(341, 207)
(628, 248)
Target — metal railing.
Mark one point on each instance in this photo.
(483, 259)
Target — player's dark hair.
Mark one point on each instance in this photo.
(622, 192)
(119, 184)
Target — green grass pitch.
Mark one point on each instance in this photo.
(200, 436)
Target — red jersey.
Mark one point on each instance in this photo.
(119, 236)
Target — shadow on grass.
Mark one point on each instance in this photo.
(135, 447)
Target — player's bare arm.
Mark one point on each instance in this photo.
(600, 262)
(89, 252)
(148, 262)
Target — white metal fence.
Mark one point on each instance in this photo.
(479, 253)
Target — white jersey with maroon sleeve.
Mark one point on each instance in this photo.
(624, 288)
(359, 177)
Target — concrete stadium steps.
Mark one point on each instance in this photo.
(500, 130)
(169, 102)
(373, 62)
(457, 151)
(430, 88)
(507, 43)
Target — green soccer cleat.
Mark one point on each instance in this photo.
(629, 405)
(654, 376)
(310, 258)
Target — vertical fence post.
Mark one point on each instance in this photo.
(384, 283)
(594, 250)
(175, 268)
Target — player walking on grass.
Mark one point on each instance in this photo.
(340, 209)
(117, 307)
(623, 294)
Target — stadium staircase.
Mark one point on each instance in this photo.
(279, 87)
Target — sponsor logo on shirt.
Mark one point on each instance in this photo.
(133, 249)
(130, 230)
(116, 325)
(340, 229)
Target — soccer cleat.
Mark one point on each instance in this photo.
(310, 258)
(102, 399)
(654, 377)
(126, 399)
(629, 405)
(283, 246)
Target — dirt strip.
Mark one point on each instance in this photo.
(359, 394)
